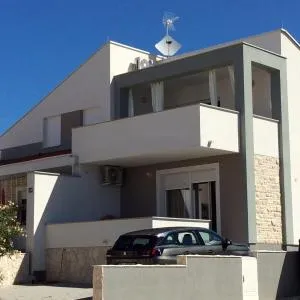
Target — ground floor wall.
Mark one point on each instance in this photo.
(56, 198)
(73, 265)
(268, 200)
(186, 280)
(278, 274)
(14, 269)
(267, 276)
(138, 195)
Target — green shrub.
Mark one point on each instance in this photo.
(9, 228)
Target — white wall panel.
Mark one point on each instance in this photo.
(52, 131)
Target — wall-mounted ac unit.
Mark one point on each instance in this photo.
(112, 175)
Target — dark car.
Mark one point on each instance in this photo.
(162, 245)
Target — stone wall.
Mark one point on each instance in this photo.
(8, 187)
(14, 269)
(73, 265)
(268, 200)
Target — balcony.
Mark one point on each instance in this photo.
(180, 133)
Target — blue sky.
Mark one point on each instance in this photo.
(42, 41)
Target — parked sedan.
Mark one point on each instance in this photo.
(162, 245)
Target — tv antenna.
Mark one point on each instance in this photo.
(168, 46)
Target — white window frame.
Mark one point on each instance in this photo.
(160, 189)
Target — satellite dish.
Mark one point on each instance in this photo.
(168, 46)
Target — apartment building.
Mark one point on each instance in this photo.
(208, 138)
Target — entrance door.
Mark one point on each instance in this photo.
(22, 203)
(204, 198)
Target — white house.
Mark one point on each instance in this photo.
(208, 138)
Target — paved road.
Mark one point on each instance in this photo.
(46, 292)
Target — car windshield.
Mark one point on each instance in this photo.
(132, 242)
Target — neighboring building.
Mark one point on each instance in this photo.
(211, 135)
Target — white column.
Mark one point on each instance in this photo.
(157, 93)
(130, 104)
(213, 93)
(232, 80)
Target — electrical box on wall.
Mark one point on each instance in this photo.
(111, 175)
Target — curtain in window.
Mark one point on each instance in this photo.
(179, 204)
(232, 80)
(130, 104)
(157, 93)
(213, 92)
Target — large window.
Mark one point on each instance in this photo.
(190, 192)
(52, 131)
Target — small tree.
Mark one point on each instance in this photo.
(9, 227)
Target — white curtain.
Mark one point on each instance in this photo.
(157, 94)
(213, 92)
(232, 80)
(188, 209)
(130, 104)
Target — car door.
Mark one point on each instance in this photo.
(213, 243)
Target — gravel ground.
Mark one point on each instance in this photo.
(46, 292)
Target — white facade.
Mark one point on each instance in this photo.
(291, 50)
(87, 89)
(165, 134)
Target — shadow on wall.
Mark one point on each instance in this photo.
(62, 199)
(278, 274)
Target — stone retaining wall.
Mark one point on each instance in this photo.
(73, 265)
(268, 200)
(14, 269)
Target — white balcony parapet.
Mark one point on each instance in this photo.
(265, 132)
(191, 131)
(106, 232)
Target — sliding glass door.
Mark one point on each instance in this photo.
(204, 200)
(198, 201)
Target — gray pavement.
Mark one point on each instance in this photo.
(46, 292)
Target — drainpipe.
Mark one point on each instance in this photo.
(75, 165)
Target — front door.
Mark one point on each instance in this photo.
(204, 198)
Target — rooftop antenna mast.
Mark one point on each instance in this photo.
(168, 46)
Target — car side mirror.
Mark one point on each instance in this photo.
(226, 243)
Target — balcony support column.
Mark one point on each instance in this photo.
(243, 102)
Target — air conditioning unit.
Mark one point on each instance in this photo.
(112, 175)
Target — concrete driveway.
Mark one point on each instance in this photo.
(46, 292)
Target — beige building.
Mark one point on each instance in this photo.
(208, 138)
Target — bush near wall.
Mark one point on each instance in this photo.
(9, 228)
(14, 266)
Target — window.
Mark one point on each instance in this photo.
(131, 242)
(184, 238)
(210, 238)
(92, 116)
(52, 131)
